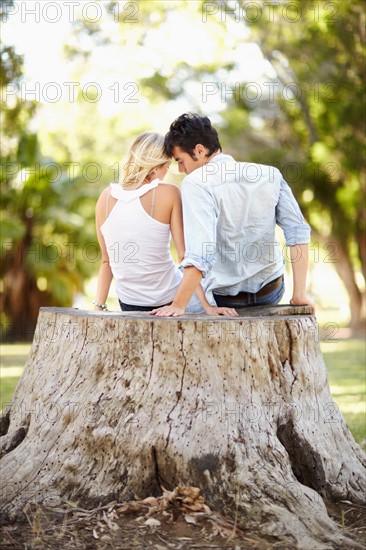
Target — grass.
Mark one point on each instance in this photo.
(345, 361)
(13, 358)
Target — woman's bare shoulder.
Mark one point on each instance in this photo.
(169, 188)
(100, 207)
(105, 192)
(103, 195)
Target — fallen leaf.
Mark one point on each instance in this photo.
(132, 507)
(95, 534)
(225, 532)
(190, 519)
(69, 502)
(153, 522)
(150, 500)
(123, 508)
(111, 524)
(194, 507)
(169, 517)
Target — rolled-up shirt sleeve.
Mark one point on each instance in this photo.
(289, 217)
(200, 219)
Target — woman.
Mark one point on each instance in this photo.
(134, 220)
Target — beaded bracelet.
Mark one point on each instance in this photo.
(104, 307)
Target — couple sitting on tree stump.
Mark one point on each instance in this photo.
(226, 244)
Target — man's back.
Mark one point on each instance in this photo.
(229, 212)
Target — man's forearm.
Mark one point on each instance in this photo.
(299, 260)
(188, 286)
(202, 297)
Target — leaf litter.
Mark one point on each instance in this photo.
(178, 519)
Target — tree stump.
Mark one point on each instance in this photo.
(114, 405)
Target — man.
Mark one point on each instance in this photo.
(230, 212)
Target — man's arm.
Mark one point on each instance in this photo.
(297, 234)
(190, 284)
(200, 218)
(299, 261)
(191, 279)
(214, 310)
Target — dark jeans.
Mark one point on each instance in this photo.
(129, 307)
(247, 299)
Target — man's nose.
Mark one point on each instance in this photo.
(181, 168)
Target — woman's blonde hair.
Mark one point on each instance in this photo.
(145, 154)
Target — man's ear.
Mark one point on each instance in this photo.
(200, 150)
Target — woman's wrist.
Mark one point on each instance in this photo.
(176, 304)
(101, 307)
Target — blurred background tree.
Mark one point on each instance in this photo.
(315, 118)
(47, 236)
(282, 82)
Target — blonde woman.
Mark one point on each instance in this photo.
(134, 221)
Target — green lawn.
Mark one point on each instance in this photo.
(13, 358)
(345, 360)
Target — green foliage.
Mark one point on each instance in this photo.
(314, 119)
(323, 55)
(47, 216)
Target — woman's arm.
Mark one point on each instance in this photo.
(176, 224)
(105, 272)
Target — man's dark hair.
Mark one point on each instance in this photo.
(189, 129)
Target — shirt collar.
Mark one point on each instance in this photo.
(220, 157)
(128, 195)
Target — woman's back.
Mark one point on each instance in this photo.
(136, 231)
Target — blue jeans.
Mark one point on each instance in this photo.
(272, 299)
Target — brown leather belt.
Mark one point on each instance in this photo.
(264, 291)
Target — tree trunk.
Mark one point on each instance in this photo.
(346, 272)
(21, 298)
(114, 405)
(342, 262)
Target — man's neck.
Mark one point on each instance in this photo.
(218, 152)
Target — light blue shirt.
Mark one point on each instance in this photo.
(230, 212)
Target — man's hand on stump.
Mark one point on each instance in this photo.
(168, 311)
(303, 301)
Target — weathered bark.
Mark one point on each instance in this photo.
(114, 405)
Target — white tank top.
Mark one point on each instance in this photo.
(138, 247)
